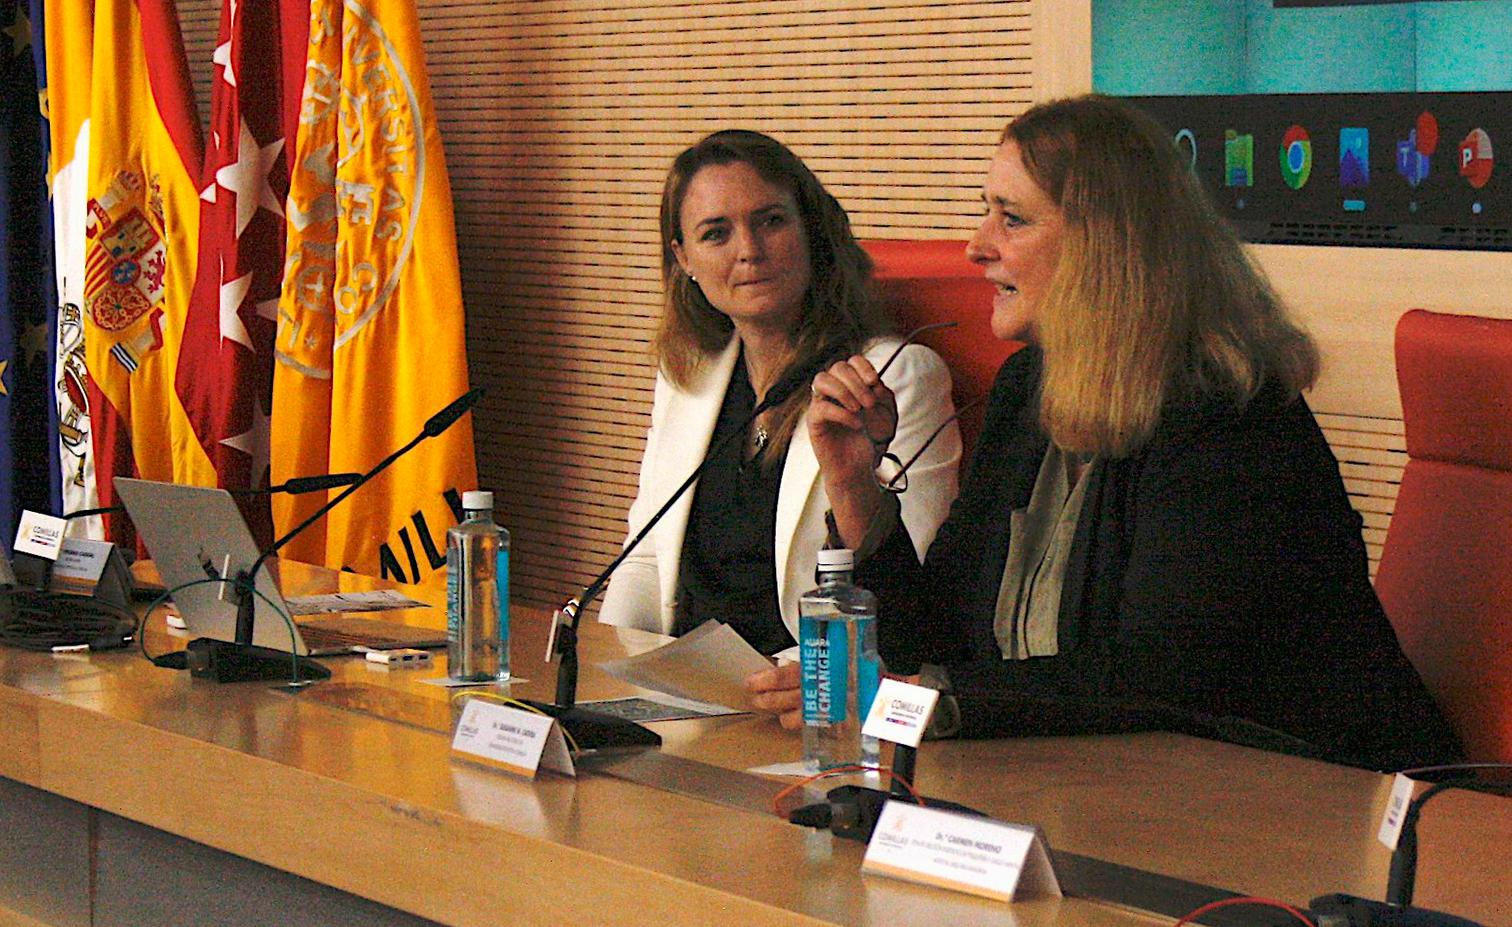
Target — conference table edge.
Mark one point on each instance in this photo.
(451, 863)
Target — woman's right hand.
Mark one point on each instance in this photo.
(852, 419)
(778, 690)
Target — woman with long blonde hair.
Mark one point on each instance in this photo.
(1153, 532)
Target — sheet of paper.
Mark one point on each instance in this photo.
(380, 600)
(708, 664)
(659, 706)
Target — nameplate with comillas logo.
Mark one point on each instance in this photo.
(516, 741)
(900, 712)
(961, 852)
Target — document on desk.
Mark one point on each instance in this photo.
(708, 664)
(378, 600)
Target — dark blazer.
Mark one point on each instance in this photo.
(1217, 585)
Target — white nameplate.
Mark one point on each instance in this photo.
(960, 852)
(519, 742)
(81, 563)
(40, 535)
(900, 712)
(1402, 791)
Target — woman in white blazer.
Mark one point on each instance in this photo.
(762, 278)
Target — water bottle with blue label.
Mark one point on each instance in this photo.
(477, 594)
(837, 645)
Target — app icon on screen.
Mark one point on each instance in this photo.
(1354, 157)
(1414, 152)
(1475, 160)
(1296, 157)
(1186, 143)
(1238, 159)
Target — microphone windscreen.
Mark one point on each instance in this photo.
(304, 484)
(443, 420)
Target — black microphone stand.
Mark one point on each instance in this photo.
(240, 660)
(1341, 910)
(595, 730)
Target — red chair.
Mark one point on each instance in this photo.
(1445, 577)
(932, 281)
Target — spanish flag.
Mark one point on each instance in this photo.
(140, 231)
(370, 338)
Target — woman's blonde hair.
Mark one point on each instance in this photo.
(1154, 299)
(839, 314)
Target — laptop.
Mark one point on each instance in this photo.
(196, 533)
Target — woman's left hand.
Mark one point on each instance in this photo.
(778, 690)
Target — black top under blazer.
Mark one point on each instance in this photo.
(1217, 585)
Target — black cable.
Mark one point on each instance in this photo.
(41, 621)
(169, 659)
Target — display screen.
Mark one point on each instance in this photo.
(1404, 170)
(1326, 121)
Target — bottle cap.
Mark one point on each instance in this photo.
(477, 500)
(831, 561)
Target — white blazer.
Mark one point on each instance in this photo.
(643, 590)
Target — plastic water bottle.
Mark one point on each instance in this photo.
(477, 594)
(837, 642)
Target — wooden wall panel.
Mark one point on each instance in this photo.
(199, 21)
(559, 121)
(1372, 453)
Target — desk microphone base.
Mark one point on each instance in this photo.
(224, 661)
(592, 730)
(851, 811)
(1350, 911)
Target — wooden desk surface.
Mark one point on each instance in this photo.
(378, 808)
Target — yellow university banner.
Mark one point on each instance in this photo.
(370, 328)
(140, 231)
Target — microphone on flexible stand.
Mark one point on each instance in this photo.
(240, 660)
(1340, 910)
(594, 730)
(296, 486)
(114, 584)
(851, 811)
(300, 485)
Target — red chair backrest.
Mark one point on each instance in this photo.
(932, 281)
(1445, 576)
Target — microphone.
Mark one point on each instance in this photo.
(593, 730)
(300, 485)
(1340, 910)
(296, 486)
(446, 417)
(433, 426)
(240, 660)
(563, 638)
(851, 811)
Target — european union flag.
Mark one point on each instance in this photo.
(28, 435)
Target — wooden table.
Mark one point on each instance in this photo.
(111, 761)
